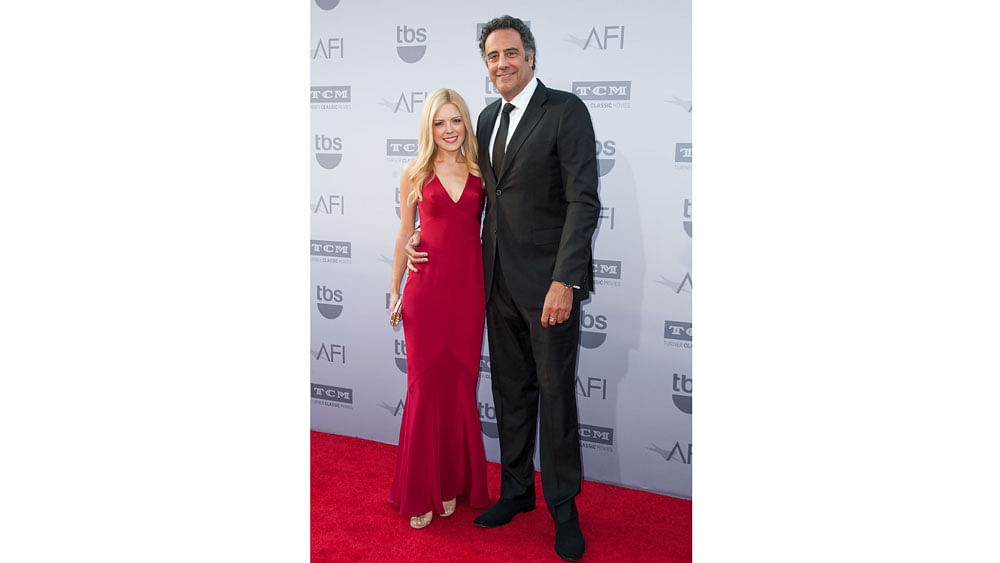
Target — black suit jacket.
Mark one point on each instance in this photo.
(542, 209)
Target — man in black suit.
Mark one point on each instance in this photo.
(539, 167)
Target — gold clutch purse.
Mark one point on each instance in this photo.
(397, 312)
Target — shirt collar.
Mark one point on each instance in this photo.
(521, 100)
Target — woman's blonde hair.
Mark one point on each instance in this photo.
(423, 166)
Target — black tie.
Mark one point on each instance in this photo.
(501, 141)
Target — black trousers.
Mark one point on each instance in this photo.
(534, 380)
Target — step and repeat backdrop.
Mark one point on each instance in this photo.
(372, 66)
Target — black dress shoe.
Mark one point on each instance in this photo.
(503, 512)
(569, 540)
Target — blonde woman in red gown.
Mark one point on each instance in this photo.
(440, 454)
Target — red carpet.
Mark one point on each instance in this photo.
(351, 520)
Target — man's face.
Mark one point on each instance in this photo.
(509, 71)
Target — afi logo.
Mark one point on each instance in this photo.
(401, 355)
(593, 384)
(401, 147)
(488, 420)
(609, 33)
(324, 146)
(407, 102)
(687, 215)
(327, 301)
(326, 48)
(589, 339)
(608, 269)
(682, 152)
(604, 165)
(332, 352)
(395, 410)
(682, 392)
(409, 43)
(673, 454)
(331, 393)
(330, 94)
(327, 204)
(327, 4)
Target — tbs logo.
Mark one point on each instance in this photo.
(488, 420)
(400, 355)
(324, 147)
(597, 434)
(492, 94)
(594, 38)
(682, 392)
(327, 204)
(484, 364)
(330, 94)
(687, 215)
(331, 393)
(401, 147)
(332, 353)
(327, 4)
(611, 269)
(604, 165)
(326, 48)
(588, 338)
(604, 90)
(682, 152)
(410, 43)
(328, 301)
(405, 103)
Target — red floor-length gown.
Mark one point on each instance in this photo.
(440, 454)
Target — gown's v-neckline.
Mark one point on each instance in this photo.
(447, 193)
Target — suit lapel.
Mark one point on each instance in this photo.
(532, 114)
(485, 131)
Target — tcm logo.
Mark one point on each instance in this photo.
(597, 434)
(394, 410)
(593, 385)
(333, 248)
(488, 420)
(614, 38)
(401, 147)
(400, 355)
(682, 152)
(332, 353)
(604, 90)
(410, 43)
(604, 165)
(328, 301)
(330, 393)
(329, 48)
(327, 4)
(329, 204)
(611, 269)
(682, 392)
(677, 330)
(330, 94)
(407, 102)
(588, 338)
(608, 213)
(484, 364)
(324, 151)
(687, 216)
(675, 453)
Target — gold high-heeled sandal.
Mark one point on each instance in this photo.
(449, 507)
(418, 522)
